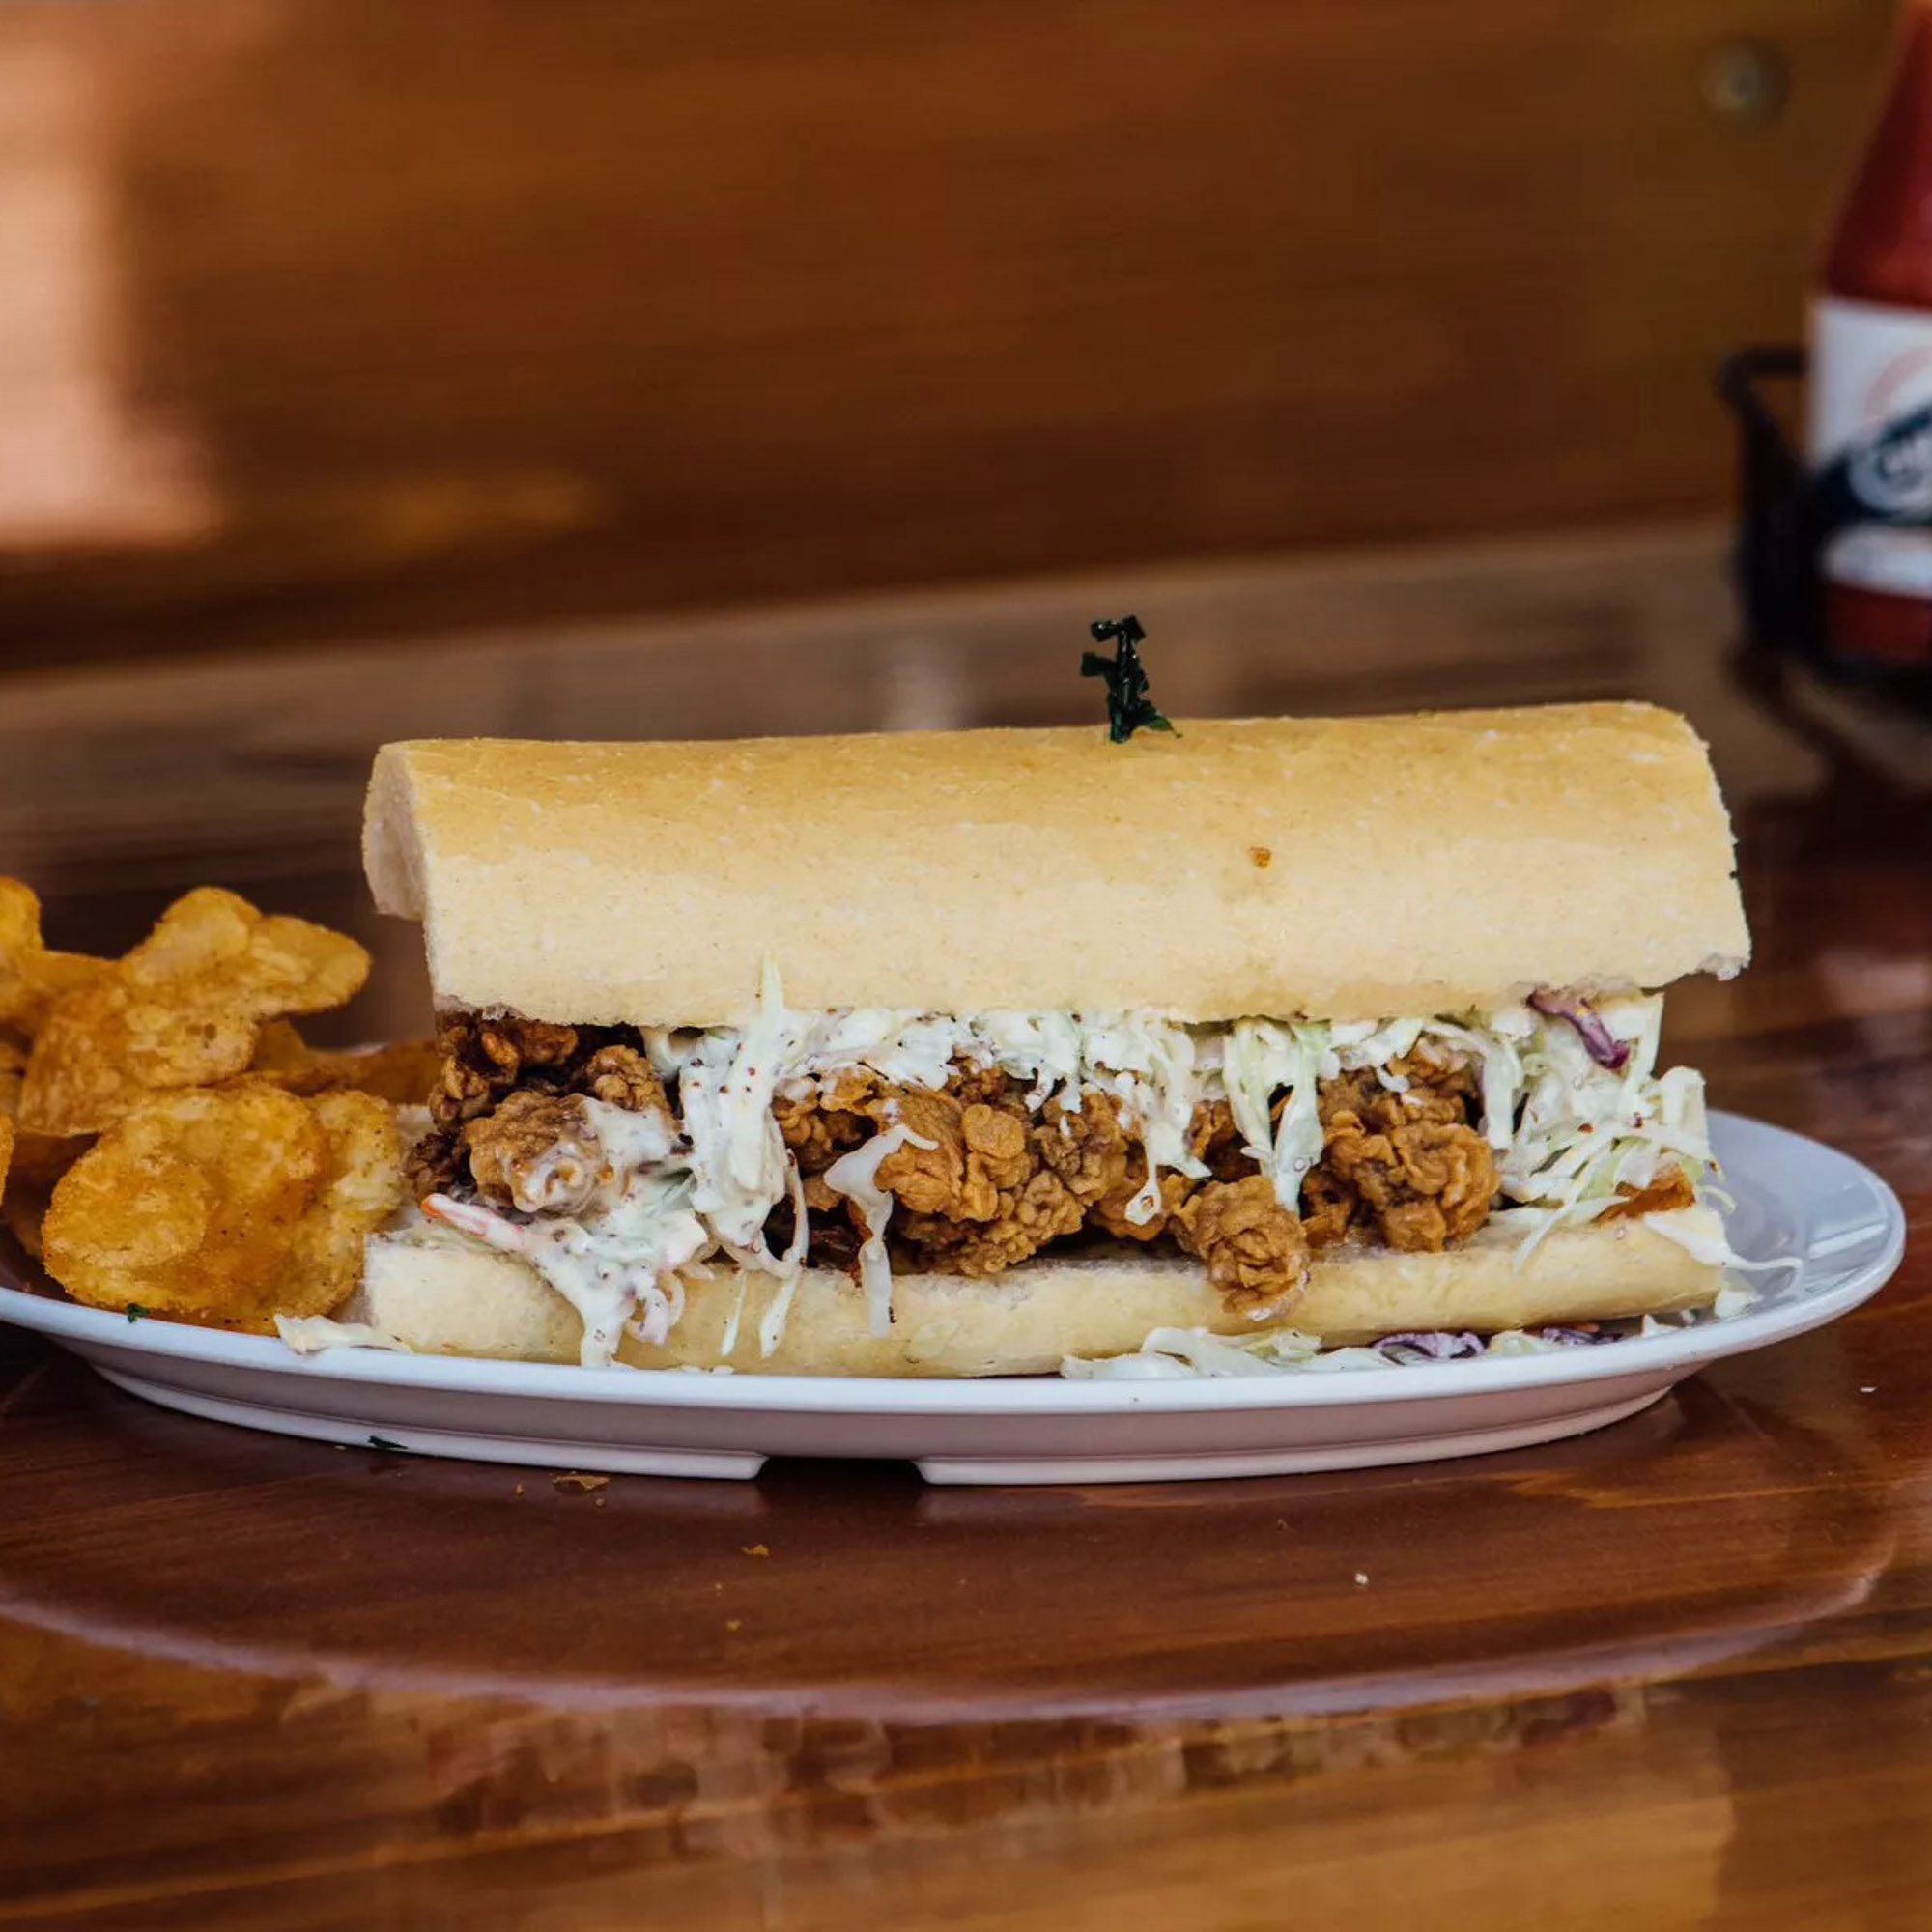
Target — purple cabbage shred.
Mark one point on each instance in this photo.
(1599, 1042)
(1446, 1345)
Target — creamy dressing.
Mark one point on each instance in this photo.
(856, 1175)
(618, 1267)
(738, 1156)
(629, 1140)
(564, 1180)
(791, 1268)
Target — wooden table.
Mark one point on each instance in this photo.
(1676, 1673)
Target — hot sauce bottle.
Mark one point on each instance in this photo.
(1869, 433)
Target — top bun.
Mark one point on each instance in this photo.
(1338, 869)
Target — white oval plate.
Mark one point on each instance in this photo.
(1795, 1198)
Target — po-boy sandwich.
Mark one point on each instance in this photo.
(963, 1053)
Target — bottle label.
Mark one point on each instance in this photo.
(1869, 443)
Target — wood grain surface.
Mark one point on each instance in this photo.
(339, 317)
(1675, 1674)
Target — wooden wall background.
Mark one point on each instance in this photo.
(339, 318)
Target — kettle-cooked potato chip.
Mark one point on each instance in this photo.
(227, 1205)
(304, 968)
(32, 1162)
(403, 1073)
(184, 1009)
(363, 1188)
(105, 1048)
(32, 978)
(189, 1205)
(280, 1049)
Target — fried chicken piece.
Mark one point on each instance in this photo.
(1256, 1252)
(484, 1059)
(461, 1092)
(1438, 1091)
(987, 1196)
(1109, 1211)
(1329, 1205)
(819, 1121)
(1104, 1167)
(435, 1163)
(512, 1044)
(535, 1152)
(620, 1076)
(1423, 1181)
(1438, 1074)
(1086, 1147)
(977, 1153)
(995, 1143)
(963, 1202)
(1028, 1218)
(1406, 1165)
(855, 1091)
(1671, 1189)
(970, 1083)
(814, 1137)
(1214, 1139)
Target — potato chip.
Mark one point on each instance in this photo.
(31, 977)
(304, 968)
(402, 1073)
(204, 933)
(37, 1161)
(189, 1205)
(363, 1189)
(280, 1049)
(228, 1205)
(292, 967)
(185, 1008)
(105, 1048)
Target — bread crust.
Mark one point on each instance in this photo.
(441, 1297)
(1355, 869)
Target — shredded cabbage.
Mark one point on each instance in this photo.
(770, 1329)
(1171, 1354)
(1149, 1067)
(725, 1091)
(1586, 1131)
(856, 1175)
(1259, 1060)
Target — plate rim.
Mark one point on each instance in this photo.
(1672, 1354)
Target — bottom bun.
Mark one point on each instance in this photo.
(441, 1297)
